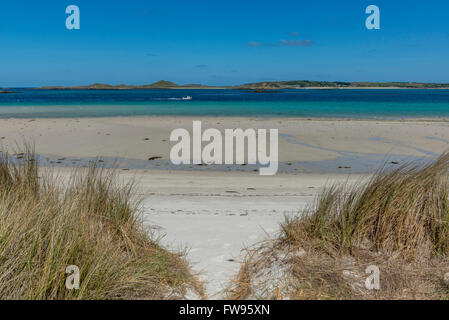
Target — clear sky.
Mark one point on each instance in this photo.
(222, 42)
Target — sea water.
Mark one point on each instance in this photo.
(306, 103)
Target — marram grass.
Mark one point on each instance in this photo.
(398, 221)
(89, 220)
(405, 210)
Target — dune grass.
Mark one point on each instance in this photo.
(403, 210)
(398, 221)
(88, 220)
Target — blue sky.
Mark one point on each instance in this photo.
(222, 42)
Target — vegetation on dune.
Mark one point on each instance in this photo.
(398, 221)
(402, 211)
(89, 221)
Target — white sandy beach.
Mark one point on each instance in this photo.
(215, 214)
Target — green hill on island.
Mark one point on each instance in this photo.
(161, 84)
(266, 85)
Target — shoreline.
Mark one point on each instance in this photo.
(209, 117)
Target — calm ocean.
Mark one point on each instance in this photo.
(373, 104)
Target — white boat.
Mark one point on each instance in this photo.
(187, 98)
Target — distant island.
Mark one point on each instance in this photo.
(261, 86)
(5, 92)
(157, 85)
(304, 84)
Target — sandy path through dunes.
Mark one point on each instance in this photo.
(219, 216)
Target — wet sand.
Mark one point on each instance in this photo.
(308, 145)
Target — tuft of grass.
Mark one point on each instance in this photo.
(405, 210)
(88, 220)
(398, 221)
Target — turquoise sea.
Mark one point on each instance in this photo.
(363, 104)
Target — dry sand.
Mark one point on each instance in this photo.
(216, 214)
